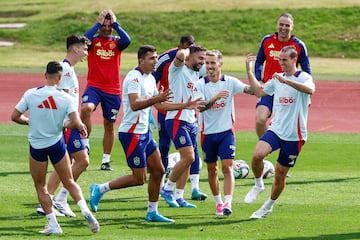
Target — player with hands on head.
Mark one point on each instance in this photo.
(103, 78)
(139, 95)
(217, 131)
(48, 107)
(288, 131)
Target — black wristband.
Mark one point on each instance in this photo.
(179, 59)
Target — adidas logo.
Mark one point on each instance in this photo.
(98, 44)
(271, 46)
(48, 103)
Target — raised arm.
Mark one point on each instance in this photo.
(99, 22)
(181, 56)
(125, 39)
(254, 83)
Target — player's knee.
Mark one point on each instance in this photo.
(189, 160)
(227, 170)
(258, 157)
(86, 109)
(83, 165)
(260, 119)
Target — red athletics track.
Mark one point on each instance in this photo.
(334, 105)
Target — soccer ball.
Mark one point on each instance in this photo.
(269, 170)
(240, 169)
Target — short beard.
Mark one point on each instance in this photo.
(195, 68)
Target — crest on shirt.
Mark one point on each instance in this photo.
(112, 45)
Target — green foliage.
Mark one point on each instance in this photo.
(327, 32)
(320, 200)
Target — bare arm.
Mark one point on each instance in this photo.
(181, 56)
(76, 123)
(19, 118)
(137, 104)
(254, 83)
(307, 87)
(170, 106)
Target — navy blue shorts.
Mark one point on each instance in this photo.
(289, 150)
(266, 101)
(184, 134)
(137, 148)
(55, 152)
(218, 144)
(74, 141)
(110, 103)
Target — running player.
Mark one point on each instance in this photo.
(48, 107)
(288, 131)
(142, 153)
(76, 46)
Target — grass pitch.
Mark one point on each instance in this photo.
(320, 200)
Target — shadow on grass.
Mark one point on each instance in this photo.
(355, 235)
(335, 180)
(5, 174)
(292, 181)
(181, 221)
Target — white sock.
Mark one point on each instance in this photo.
(269, 203)
(217, 199)
(169, 186)
(228, 199)
(104, 187)
(106, 158)
(152, 206)
(83, 207)
(51, 217)
(62, 195)
(179, 193)
(259, 182)
(194, 179)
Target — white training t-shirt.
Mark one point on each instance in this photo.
(290, 109)
(181, 82)
(144, 85)
(48, 107)
(70, 81)
(221, 116)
